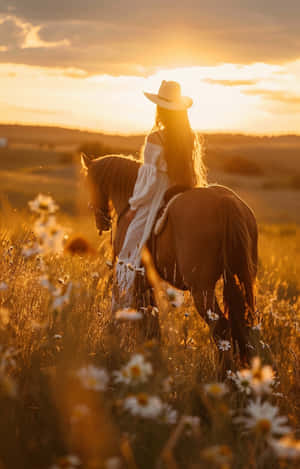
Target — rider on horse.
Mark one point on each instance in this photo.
(171, 156)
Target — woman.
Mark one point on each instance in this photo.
(172, 156)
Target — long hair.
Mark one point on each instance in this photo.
(182, 148)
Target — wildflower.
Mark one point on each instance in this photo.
(93, 378)
(212, 316)
(43, 204)
(67, 462)
(169, 415)
(224, 345)
(193, 421)
(31, 251)
(60, 299)
(129, 313)
(263, 344)
(150, 309)
(144, 405)
(175, 297)
(57, 336)
(109, 264)
(167, 384)
(230, 375)
(263, 418)
(242, 379)
(259, 379)
(217, 454)
(286, 447)
(262, 377)
(216, 389)
(113, 463)
(3, 286)
(136, 371)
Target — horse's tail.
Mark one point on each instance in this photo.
(239, 270)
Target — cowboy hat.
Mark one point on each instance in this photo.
(169, 97)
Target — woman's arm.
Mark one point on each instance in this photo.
(147, 175)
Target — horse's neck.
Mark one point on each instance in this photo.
(120, 204)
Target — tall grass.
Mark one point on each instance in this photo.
(47, 413)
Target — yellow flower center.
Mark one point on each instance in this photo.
(215, 389)
(264, 425)
(135, 371)
(142, 399)
(91, 381)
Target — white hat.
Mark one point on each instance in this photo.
(169, 96)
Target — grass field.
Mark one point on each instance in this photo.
(50, 410)
(78, 390)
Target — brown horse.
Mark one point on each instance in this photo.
(210, 233)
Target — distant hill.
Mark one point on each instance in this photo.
(264, 170)
(64, 136)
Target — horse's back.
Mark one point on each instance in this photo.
(195, 230)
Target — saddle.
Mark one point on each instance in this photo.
(162, 216)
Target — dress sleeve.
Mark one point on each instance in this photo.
(145, 185)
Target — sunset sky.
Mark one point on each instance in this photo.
(86, 63)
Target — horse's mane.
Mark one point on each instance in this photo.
(115, 173)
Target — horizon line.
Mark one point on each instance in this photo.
(132, 134)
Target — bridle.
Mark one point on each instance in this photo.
(103, 214)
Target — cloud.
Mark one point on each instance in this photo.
(212, 81)
(281, 96)
(136, 36)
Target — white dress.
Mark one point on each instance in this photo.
(150, 187)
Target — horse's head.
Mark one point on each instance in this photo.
(98, 193)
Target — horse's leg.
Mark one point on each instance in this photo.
(207, 306)
(145, 302)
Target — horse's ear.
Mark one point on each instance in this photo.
(85, 161)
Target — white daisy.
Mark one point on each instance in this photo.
(286, 448)
(3, 286)
(169, 415)
(144, 405)
(61, 299)
(93, 378)
(43, 204)
(70, 461)
(136, 371)
(263, 377)
(216, 389)
(113, 463)
(212, 316)
(258, 379)
(242, 380)
(263, 419)
(192, 421)
(224, 345)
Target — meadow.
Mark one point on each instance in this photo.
(80, 390)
